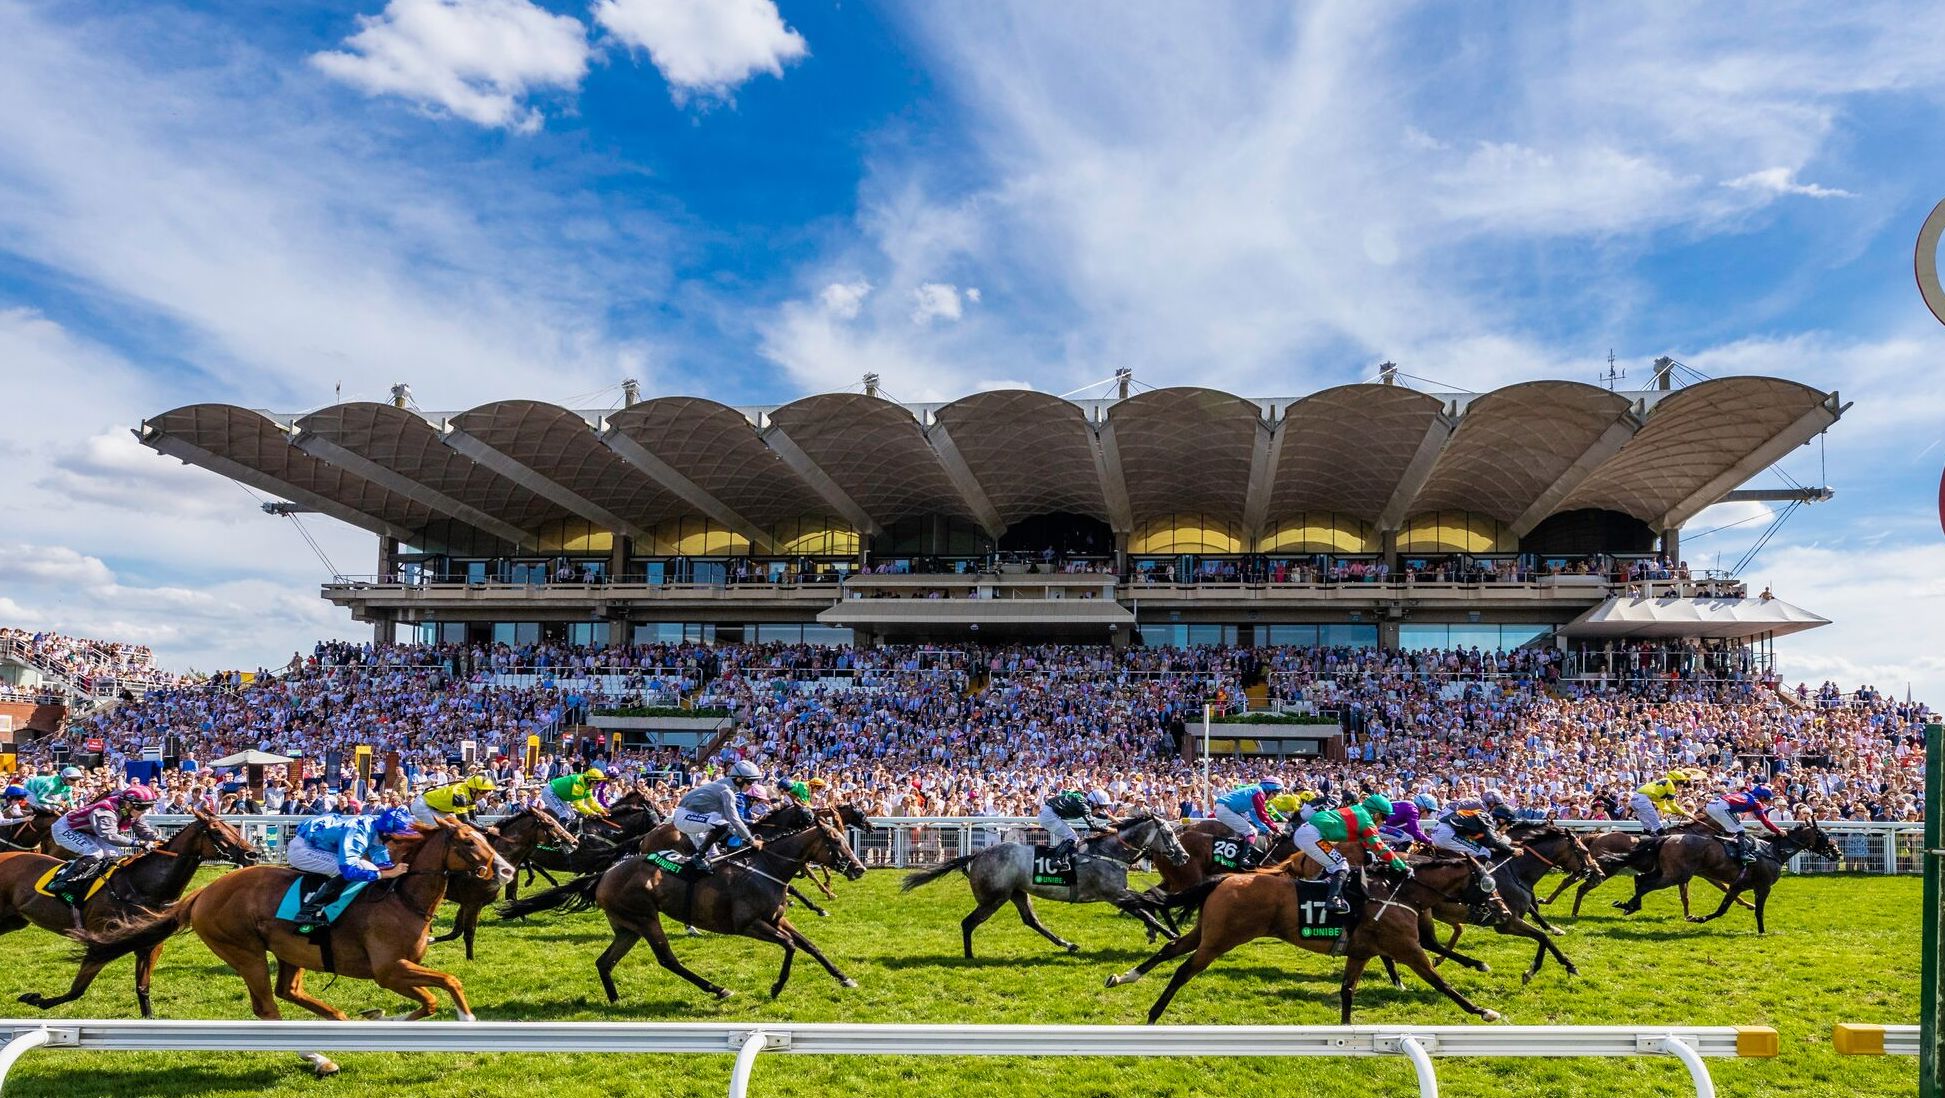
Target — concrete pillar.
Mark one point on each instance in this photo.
(1671, 544)
(387, 560)
(384, 629)
(1388, 545)
(618, 557)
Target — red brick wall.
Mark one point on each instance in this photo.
(31, 720)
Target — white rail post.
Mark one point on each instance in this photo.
(1421, 1063)
(33, 1038)
(753, 1043)
(1698, 1072)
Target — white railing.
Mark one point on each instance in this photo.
(906, 842)
(1853, 1039)
(748, 1040)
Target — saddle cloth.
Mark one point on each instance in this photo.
(305, 885)
(1318, 920)
(1052, 871)
(94, 886)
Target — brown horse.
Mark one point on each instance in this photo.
(381, 936)
(745, 896)
(1611, 850)
(142, 884)
(1674, 859)
(35, 835)
(1543, 848)
(1242, 907)
(604, 840)
(514, 839)
(842, 817)
(792, 816)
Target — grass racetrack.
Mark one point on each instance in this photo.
(1840, 948)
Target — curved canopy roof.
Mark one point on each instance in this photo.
(496, 477)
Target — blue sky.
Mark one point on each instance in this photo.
(755, 200)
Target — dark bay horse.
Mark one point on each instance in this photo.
(1611, 849)
(1242, 907)
(604, 840)
(380, 937)
(843, 817)
(1005, 871)
(144, 883)
(1543, 848)
(1675, 859)
(783, 820)
(514, 840)
(745, 896)
(34, 835)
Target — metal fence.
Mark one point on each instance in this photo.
(905, 842)
(747, 1040)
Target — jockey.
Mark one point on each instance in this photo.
(456, 799)
(797, 791)
(707, 812)
(571, 796)
(754, 804)
(1659, 798)
(16, 806)
(1401, 823)
(1498, 807)
(1060, 815)
(1463, 828)
(54, 790)
(108, 828)
(1351, 824)
(344, 848)
(1246, 808)
(1725, 809)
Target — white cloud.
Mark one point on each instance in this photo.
(704, 47)
(938, 301)
(1783, 181)
(844, 299)
(479, 59)
(1877, 599)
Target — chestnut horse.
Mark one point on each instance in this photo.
(144, 883)
(34, 835)
(1242, 907)
(381, 936)
(514, 840)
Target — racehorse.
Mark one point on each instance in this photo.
(514, 839)
(1543, 847)
(1673, 859)
(1611, 850)
(1242, 907)
(843, 816)
(142, 884)
(787, 818)
(604, 841)
(744, 896)
(380, 937)
(1006, 871)
(35, 835)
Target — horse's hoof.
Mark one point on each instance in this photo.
(1695, 918)
(823, 914)
(1117, 980)
(723, 993)
(1483, 967)
(372, 1015)
(320, 1065)
(1525, 978)
(1491, 1015)
(465, 1017)
(32, 999)
(1572, 971)
(847, 982)
(1073, 947)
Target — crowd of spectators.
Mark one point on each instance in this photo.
(93, 666)
(949, 730)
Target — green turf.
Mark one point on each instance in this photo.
(1839, 949)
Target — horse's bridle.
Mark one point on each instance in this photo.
(1147, 849)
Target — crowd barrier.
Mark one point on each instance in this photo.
(909, 842)
(748, 1040)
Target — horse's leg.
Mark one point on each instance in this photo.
(1644, 883)
(472, 927)
(770, 932)
(1182, 946)
(979, 915)
(1428, 942)
(1720, 887)
(1684, 890)
(625, 939)
(1129, 903)
(82, 978)
(144, 972)
(1208, 947)
(1586, 886)
(411, 980)
(805, 900)
(1561, 887)
(1391, 970)
(1347, 989)
(823, 885)
(805, 944)
(1025, 903)
(248, 962)
(1762, 900)
(1728, 900)
(651, 929)
(1406, 949)
(290, 988)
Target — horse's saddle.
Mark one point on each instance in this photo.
(308, 888)
(1052, 871)
(74, 889)
(673, 861)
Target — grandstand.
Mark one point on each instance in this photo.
(1366, 515)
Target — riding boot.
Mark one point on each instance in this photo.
(311, 911)
(1745, 848)
(1334, 898)
(701, 863)
(71, 881)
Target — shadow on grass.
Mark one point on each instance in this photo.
(199, 1079)
(597, 1004)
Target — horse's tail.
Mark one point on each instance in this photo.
(136, 934)
(1189, 899)
(575, 895)
(927, 876)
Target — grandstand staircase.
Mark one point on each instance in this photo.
(1257, 694)
(53, 681)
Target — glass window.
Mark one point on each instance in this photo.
(1513, 636)
(659, 632)
(1164, 636)
(826, 634)
(1469, 635)
(1303, 635)
(1413, 638)
(708, 571)
(587, 633)
(1351, 636)
(774, 634)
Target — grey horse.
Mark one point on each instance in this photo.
(1006, 872)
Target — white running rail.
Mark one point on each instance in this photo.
(1417, 1044)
